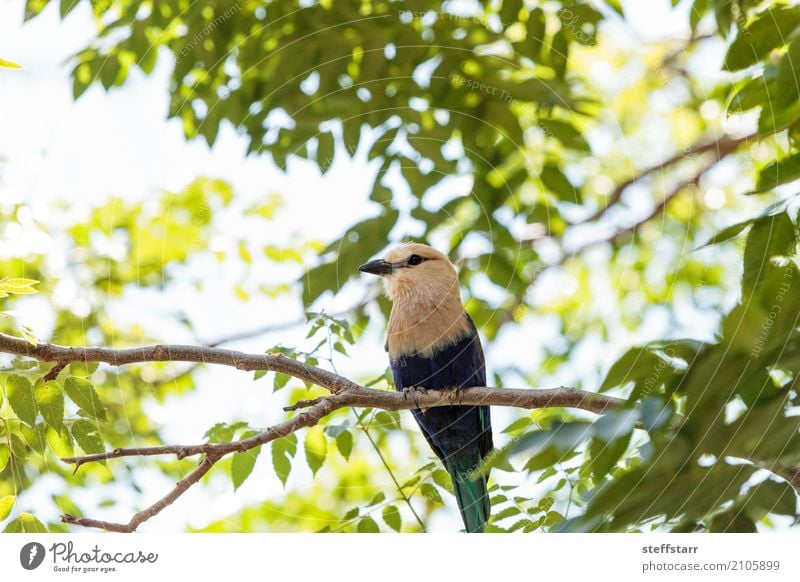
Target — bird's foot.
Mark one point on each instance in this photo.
(457, 394)
(413, 392)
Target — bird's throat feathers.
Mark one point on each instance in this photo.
(425, 323)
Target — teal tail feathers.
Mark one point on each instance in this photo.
(472, 494)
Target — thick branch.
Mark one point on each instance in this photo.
(61, 355)
(361, 397)
(520, 398)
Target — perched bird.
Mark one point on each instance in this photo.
(433, 344)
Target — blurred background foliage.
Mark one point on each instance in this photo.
(623, 214)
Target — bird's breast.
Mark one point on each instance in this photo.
(425, 331)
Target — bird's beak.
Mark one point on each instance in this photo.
(377, 267)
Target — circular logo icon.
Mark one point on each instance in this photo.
(31, 555)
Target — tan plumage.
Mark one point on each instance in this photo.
(426, 302)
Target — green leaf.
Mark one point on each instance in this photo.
(316, 447)
(35, 437)
(379, 497)
(6, 503)
(222, 432)
(518, 425)
(769, 31)
(344, 442)
(555, 181)
(61, 442)
(732, 521)
(325, 151)
(774, 119)
(728, 233)
(283, 451)
(4, 64)
(565, 133)
(777, 173)
(506, 513)
(367, 525)
(17, 286)
(655, 413)
(442, 479)
(357, 246)
(18, 448)
(88, 436)
(772, 497)
(25, 523)
(50, 398)
(243, 463)
(509, 12)
(531, 47)
(547, 447)
(430, 493)
(642, 365)
(605, 455)
(280, 381)
(83, 369)
(615, 424)
(21, 398)
(5, 454)
(392, 517)
(770, 236)
(83, 394)
(388, 420)
(68, 6)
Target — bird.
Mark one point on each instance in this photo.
(433, 344)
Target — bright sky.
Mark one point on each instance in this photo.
(120, 143)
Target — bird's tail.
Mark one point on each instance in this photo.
(471, 492)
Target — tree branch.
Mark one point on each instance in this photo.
(344, 393)
(721, 148)
(142, 516)
(46, 352)
(213, 453)
(317, 409)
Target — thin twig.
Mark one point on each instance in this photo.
(53, 373)
(183, 485)
(275, 327)
(391, 474)
(213, 453)
(721, 147)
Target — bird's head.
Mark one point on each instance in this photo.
(416, 272)
(423, 286)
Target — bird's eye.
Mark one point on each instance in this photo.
(414, 260)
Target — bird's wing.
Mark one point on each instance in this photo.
(479, 360)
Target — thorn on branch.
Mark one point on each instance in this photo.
(305, 403)
(53, 372)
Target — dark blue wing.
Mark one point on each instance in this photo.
(449, 429)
